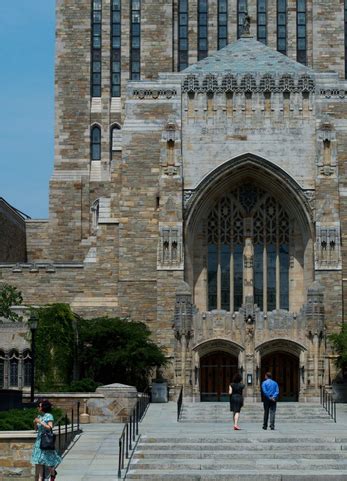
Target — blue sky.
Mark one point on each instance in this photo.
(27, 31)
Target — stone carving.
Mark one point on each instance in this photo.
(328, 246)
(187, 195)
(335, 92)
(255, 83)
(314, 309)
(183, 320)
(153, 94)
(246, 25)
(170, 248)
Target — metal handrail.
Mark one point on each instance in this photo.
(67, 431)
(328, 403)
(127, 439)
(179, 404)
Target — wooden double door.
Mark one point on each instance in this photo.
(216, 373)
(284, 368)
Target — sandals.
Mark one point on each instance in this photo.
(53, 475)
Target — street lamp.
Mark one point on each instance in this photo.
(33, 326)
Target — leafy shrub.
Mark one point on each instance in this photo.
(22, 419)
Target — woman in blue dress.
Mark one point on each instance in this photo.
(45, 460)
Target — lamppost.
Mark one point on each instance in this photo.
(33, 326)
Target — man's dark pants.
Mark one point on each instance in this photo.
(269, 407)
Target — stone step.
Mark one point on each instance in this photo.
(235, 475)
(223, 454)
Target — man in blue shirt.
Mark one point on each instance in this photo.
(270, 392)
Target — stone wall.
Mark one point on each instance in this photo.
(12, 234)
(15, 454)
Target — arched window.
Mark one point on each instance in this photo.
(116, 138)
(182, 34)
(27, 368)
(95, 215)
(95, 143)
(2, 369)
(96, 48)
(116, 48)
(14, 369)
(248, 249)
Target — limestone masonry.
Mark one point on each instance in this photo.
(209, 202)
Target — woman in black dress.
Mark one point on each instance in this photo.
(236, 398)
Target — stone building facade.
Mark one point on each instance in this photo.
(199, 187)
(12, 233)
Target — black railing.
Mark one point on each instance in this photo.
(67, 429)
(328, 403)
(179, 404)
(127, 440)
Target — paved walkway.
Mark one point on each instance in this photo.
(94, 455)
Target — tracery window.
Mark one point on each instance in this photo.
(2, 369)
(282, 26)
(95, 141)
(135, 40)
(261, 21)
(248, 251)
(115, 48)
(96, 48)
(222, 23)
(202, 29)
(14, 370)
(241, 13)
(182, 34)
(27, 367)
(301, 31)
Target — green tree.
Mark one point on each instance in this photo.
(118, 350)
(55, 346)
(339, 342)
(9, 296)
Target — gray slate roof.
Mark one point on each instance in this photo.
(246, 56)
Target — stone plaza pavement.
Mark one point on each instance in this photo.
(94, 454)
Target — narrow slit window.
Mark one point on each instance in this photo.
(222, 23)
(262, 21)
(182, 34)
(116, 48)
(301, 31)
(282, 26)
(135, 40)
(96, 48)
(202, 29)
(96, 143)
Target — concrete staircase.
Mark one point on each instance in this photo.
(286, 412)
(201, 448)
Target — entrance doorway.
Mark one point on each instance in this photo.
(216, 372)
(285, 370)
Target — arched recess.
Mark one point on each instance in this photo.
(249, 169)
(216, 363)
(285, 359)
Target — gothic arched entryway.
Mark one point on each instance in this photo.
(284, 367)
(216, 372)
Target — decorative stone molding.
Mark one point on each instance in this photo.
(314, 309)
(153, 94)
(256, 83)
(187, 194)
(328, 247)
(326, 148)
(333, 92)
(170, 247)
(183, 320)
